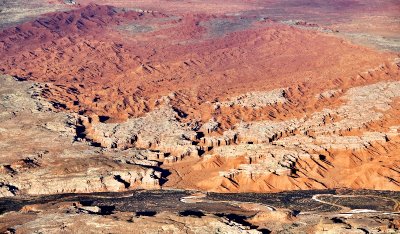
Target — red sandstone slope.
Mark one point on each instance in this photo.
(90, 60)
(111, 62)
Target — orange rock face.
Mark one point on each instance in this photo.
(203, 116)
(96, 54)
(258, 100)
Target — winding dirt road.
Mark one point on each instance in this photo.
(348, 210)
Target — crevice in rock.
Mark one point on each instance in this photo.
(146, 213)
(240, 219)
(11, 188)
(264, 231)
(195, 213)
(124, 182)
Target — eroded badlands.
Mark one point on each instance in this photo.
(234, 99)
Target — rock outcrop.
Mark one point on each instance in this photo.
(257, 99)
(158, 130)
(70, 218)
(158, 117)
(39, 153)
(305, 153)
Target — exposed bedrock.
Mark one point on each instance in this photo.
(356, 136)
(39, 153)
(116, 62)
(158, 130)
(306, 153)
(299, 153)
